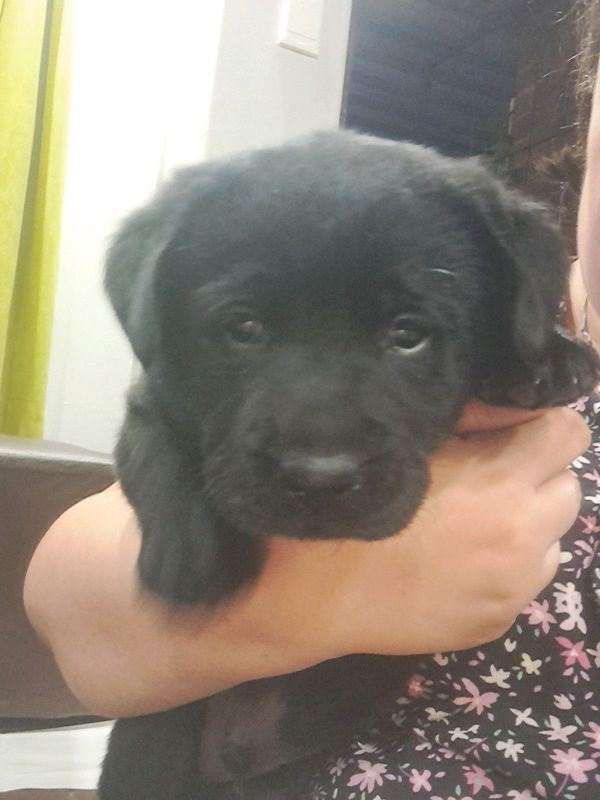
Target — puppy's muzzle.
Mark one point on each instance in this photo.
(303, 472)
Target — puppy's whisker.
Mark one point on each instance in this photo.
(218, 470)
(440, 271)
(218, 466)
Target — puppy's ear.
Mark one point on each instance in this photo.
(535, 362)
(132, 260)
(537, 264)
(129, 281)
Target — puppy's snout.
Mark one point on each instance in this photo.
(305, 472)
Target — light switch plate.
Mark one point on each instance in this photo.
(301, 26)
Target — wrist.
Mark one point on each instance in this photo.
(291, 617)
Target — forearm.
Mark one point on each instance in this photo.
(589, 209)
(121, 650)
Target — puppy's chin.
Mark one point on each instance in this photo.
(381, 507)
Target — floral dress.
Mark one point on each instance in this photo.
(517, 719)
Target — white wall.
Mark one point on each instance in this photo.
(142, 80)
(265, 94)
(156, 85)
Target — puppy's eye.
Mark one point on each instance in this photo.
(407, 334)
(245, 331)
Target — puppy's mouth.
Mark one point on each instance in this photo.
(324, 496)
(321, 495)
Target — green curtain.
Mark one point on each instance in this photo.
(34, 70)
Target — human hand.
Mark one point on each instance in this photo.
(480, 417)
(484, 543)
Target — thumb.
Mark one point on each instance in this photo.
(478, 417)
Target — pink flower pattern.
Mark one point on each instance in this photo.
(477, 779)
(593, 733)
(474, 700)
(571, 764)
(370, 775)
(420, 780)
(573, 652)
(539, 615)
(536, 736)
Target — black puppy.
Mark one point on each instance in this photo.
(310, 319)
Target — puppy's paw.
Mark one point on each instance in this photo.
(569, 370)
(574, 370)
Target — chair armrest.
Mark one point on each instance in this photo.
(38, 481)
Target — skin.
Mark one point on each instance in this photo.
(499, 501)
(589, 213)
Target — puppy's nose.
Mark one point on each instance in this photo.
(303, 472)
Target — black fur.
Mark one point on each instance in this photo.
(311, 320)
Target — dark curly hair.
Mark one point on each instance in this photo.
(561, 173)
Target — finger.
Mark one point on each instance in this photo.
(479, 417)
(545, 574)
(558, 502)
(551, 564)
(536, 450)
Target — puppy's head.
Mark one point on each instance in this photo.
(315, 316)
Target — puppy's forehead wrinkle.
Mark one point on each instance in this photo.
(439, 271)
(354, 287)
(239, 278)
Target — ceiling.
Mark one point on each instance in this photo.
(438, 72)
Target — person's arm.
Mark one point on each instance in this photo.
(483, 544)
(121, 649)
(588, 226)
